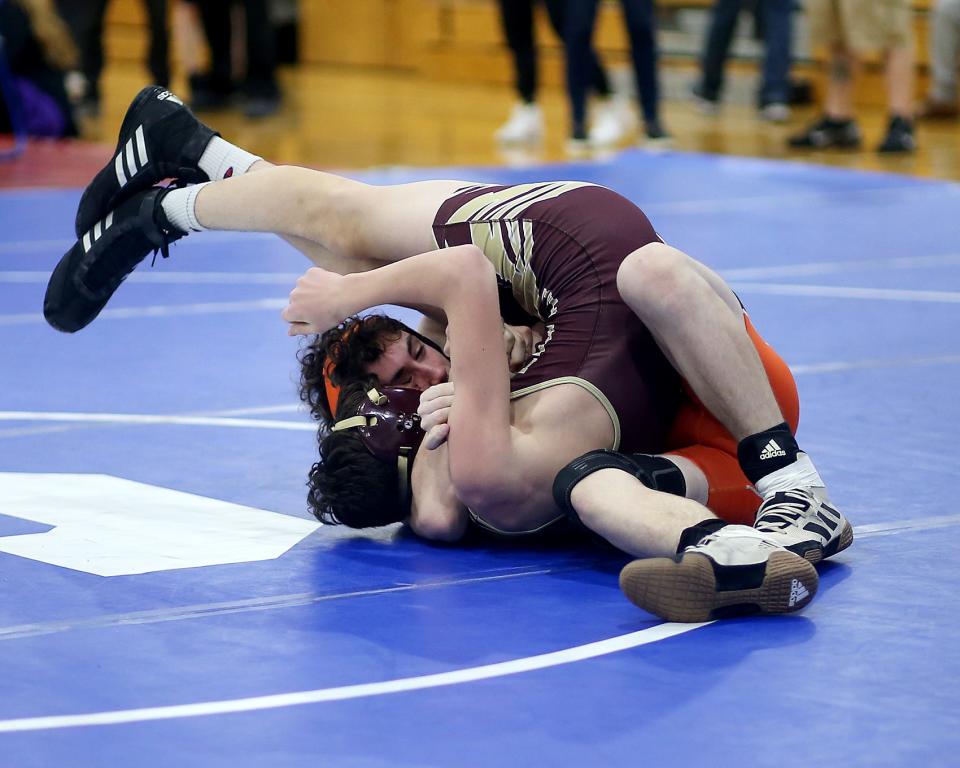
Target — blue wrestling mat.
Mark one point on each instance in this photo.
(167, 601)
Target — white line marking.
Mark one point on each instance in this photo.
(341, 693)
(454, 677)
(134, 418)
(893, 362)
(203, 610)
(172, 278)
(49, 247)
(833, 267)
(847, 292)
(176, 310)
(829, 199)
(919, 524)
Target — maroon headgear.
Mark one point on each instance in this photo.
(389, 426)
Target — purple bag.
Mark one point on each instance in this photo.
(42, 115)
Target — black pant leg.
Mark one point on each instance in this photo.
(261, 79)
(159, 55)
(581, 16)
(215, 15)
(557, 11)
(641, 25)
(516, 16)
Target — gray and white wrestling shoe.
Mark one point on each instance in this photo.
(735, 571)
(803, 521)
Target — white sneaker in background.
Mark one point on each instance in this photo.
(775, 112)
(524, 126)
(613, 121)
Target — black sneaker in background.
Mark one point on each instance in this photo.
(159, 139)
(899, 136)
(92, 270)
(826, 133)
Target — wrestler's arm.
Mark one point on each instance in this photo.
(483, 465)
(435, 511)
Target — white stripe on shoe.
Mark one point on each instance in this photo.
(141, 147)
(132, 167)
(118, 166)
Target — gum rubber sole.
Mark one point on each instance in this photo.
(687, 590)
(817, 554)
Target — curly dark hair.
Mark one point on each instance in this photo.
(366, 339)
(349, 485)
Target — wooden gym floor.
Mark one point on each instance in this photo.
(351, 118)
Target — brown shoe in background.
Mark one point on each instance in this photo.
(934, 109)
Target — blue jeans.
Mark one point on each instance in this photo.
(775, 18)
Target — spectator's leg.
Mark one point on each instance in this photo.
(517, 19)
(723, 24)
(557, 12)
(159, 56)
(577, 37)
(945, 50)
(843, 70)
(215, 15)
(778, 51)
(641, 25)
(263, 93)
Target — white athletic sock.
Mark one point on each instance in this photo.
(221, 160)
(800, 474)
(179, 207)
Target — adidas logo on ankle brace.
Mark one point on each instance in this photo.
(771, 451)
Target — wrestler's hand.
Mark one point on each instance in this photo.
(315, 303)
(520, 342)
(434, 410)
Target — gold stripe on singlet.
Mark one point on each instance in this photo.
(497, 228)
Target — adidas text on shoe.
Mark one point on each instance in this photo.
(92, 270)
(159, 139)
(733, 572)
(804, 523)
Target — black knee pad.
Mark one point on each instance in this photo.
(655, 472)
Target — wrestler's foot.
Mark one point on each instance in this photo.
(803, 521)
(733, 572)
(159, 139)
(92, 270)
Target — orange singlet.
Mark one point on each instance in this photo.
(696, 435)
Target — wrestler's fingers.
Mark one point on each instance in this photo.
(434, 419)
(436, 436)
(437, 390)
(438, 403)
(300, 329)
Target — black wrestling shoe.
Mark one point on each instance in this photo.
(733, 572)
(92, 270)
(159, 139)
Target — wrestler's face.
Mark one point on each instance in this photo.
(408, 362)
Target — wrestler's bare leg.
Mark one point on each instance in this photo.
(640, 521)
(353, 226)
(698, 323)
